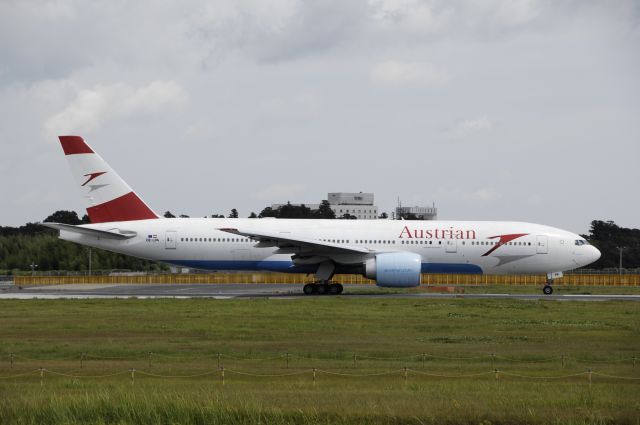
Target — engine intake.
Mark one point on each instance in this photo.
(394, 269)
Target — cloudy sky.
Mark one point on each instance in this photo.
(493, 109)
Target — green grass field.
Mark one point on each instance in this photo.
(359, 348)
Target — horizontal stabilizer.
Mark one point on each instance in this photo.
(105, 234)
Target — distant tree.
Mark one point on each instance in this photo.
(168, 214)
(347, 216)
(64, 217)
(294, 211)
(384, 216)
(233, 213)
(86, 219)
(184, 216)
(607, 237)
(325, 211)
(217, 216)
(268, 212)
(253, 215)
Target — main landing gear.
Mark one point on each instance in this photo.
(323, 288)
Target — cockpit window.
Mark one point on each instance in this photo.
(581, 242)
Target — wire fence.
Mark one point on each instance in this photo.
(352, 359)
(315, 374)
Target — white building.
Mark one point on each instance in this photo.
(422, 213)
(358, 204)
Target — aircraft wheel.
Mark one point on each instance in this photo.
(308, 289)
(335, 289)
(548, 289)
(322, 289)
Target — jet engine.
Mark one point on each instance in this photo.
(394, 269)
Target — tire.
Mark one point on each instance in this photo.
(322, 289)
(335, 288)
(308, 289)
(547, 290)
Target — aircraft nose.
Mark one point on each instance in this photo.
(594, 254)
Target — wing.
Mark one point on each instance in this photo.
(288, 240)
(105, 234)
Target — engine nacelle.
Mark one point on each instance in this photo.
(394, 269)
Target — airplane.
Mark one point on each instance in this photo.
(394, 253)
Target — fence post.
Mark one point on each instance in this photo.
(222, 374)
(493, 359)
(41, 376)
(133, 373)
(314, 376)
(589, 372)
(405, 374)
(496, 372)
(81, 359)
(218, 360)
(354, 360)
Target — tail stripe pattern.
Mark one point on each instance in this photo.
(108, 197)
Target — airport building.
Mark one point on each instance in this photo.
(359, 205)
(421, 213)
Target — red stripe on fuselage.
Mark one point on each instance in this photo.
(125, 208)
(72, 145)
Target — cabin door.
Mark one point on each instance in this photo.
(171, 239)
(541, 244)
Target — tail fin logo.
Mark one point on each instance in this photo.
(92, 176)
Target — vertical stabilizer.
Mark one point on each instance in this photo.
(107, 196)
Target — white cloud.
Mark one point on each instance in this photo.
(482, 123)
(483, 194)
(197, 131)
(399, 73)
(92, 108)
(465, 127)
(513, 13)
(413, 16)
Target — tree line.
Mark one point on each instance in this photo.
(20, 247)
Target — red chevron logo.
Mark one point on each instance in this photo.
(92, 176)
(504, 239)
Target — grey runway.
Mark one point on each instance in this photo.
(241, 290)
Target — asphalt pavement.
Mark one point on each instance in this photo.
(243, 290)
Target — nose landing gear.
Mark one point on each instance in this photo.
(548, 289)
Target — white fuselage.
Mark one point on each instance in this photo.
(444, 246)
